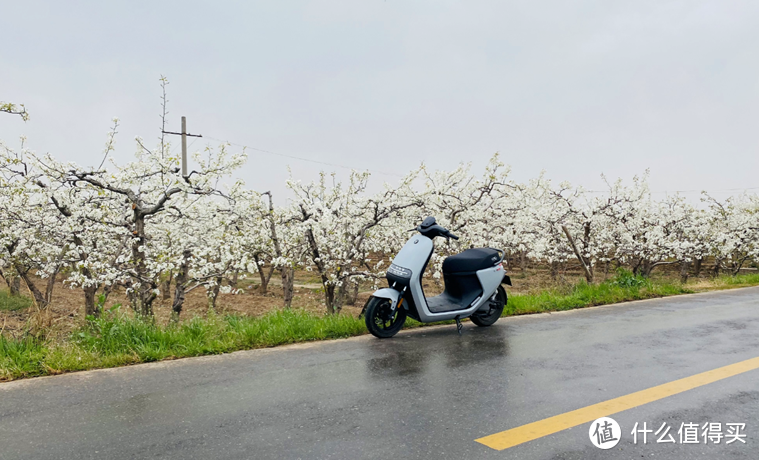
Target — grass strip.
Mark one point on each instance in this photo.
(624, 287)
(118, 340)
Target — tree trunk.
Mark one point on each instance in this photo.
(264, 279)
(90, 291)
(180, 283)
(12, 280)
(15, 285)
(587, 268)
(344, 288)
(330, 298)
(329, 288)
(90, 309)
(717, 263)
(684, 267)
(737, 265)
(143, 296)
(37, 295)
(214, 293)
(288, 276)
(636, 268)
(287, 272)
(697, 267)
(646, 268)
(554, 270)
(166, 287)
(351, 294)
(144, 299)
(342, 293)
(522, 261)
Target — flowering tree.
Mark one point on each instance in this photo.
(342, 227)
(275, 237)
(734, 231)
(33, 237)
(479, 210)
(539, 223)
(136, 196)
(14, 109)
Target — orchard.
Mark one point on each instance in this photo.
(148, 230)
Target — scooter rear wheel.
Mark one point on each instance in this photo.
(381, 321)
(487, 318)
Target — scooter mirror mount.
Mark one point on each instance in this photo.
(428, 222)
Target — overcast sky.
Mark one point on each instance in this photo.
(575, 88)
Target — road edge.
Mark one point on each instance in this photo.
(364, 337)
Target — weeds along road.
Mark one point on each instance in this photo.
(427, 393)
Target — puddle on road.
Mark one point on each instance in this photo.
(417, 354)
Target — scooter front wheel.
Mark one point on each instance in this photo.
(381, 320)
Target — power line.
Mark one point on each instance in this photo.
(400, 175)
(304, 159)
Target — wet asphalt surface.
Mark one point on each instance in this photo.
(426, 393)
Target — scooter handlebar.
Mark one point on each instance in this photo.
(433, 230)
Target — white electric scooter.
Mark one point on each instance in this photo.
(472, 278)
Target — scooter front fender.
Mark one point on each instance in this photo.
(388, 293)
(385, 293)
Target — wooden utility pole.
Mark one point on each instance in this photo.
(184, 135)
(184, 146)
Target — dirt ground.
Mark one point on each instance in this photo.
(66, 309)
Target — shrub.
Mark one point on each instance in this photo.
(626, 279)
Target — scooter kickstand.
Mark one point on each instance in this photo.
(459, 327)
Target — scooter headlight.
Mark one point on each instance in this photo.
(399, 271)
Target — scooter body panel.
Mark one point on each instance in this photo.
(490, 278)
(413, 257)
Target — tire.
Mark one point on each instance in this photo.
(380, 320)
(487, 318)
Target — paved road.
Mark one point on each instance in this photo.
(424, 394)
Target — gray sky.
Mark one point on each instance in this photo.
(576, 88)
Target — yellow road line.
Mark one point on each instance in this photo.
(535, 430)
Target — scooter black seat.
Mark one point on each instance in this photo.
(471, 260)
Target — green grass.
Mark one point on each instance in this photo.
(118, 339)
(13, 302)
(624, 287)
(21, 358)
(736, 281)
